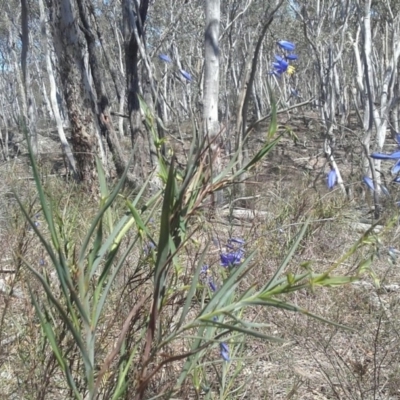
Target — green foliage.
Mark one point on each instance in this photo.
(87, 275)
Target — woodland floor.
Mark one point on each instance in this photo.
(317, 361)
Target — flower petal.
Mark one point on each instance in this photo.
(237, 240)
(381, 156)
(285, 45)
(164, 57)
(292, 57)
(396, 168)
(369, 182)
(186, 75)
(385, 190)
(332, 177)
(224, 351)
(212, 285)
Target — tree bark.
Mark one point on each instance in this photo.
(68, 45)
(132, 21)
(53, 96)
(100, 101)
(28, 109)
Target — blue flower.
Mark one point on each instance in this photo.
(397, 179)
(332, 178)
(186, 75)
(235, 254)
(381, 156)
(165, 58)
(224, 351)
(231, 259)
(285, 45)
(397, 138)
(369, 182)
(280, 65)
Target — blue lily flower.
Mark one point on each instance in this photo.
(235, 256)
(369, 182)
(283, 65)
(165, 58)
(285, 45)
(224, 351)
(231, 259)
(332, 178)
(186, 75)
(397, 179)
(280, 65)
(381, 156)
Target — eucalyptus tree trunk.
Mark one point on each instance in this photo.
(211, 86)
(135, 21)
(211, 69)
(28, 109)
(100, 100)
(53, 94)
(68, 44)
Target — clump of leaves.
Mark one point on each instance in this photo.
(87, 276)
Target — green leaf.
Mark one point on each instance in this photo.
(273, 127)
(48, 331)
(287, 258)
(193, 288)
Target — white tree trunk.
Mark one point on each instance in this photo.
(211, 68)
(211, 85)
